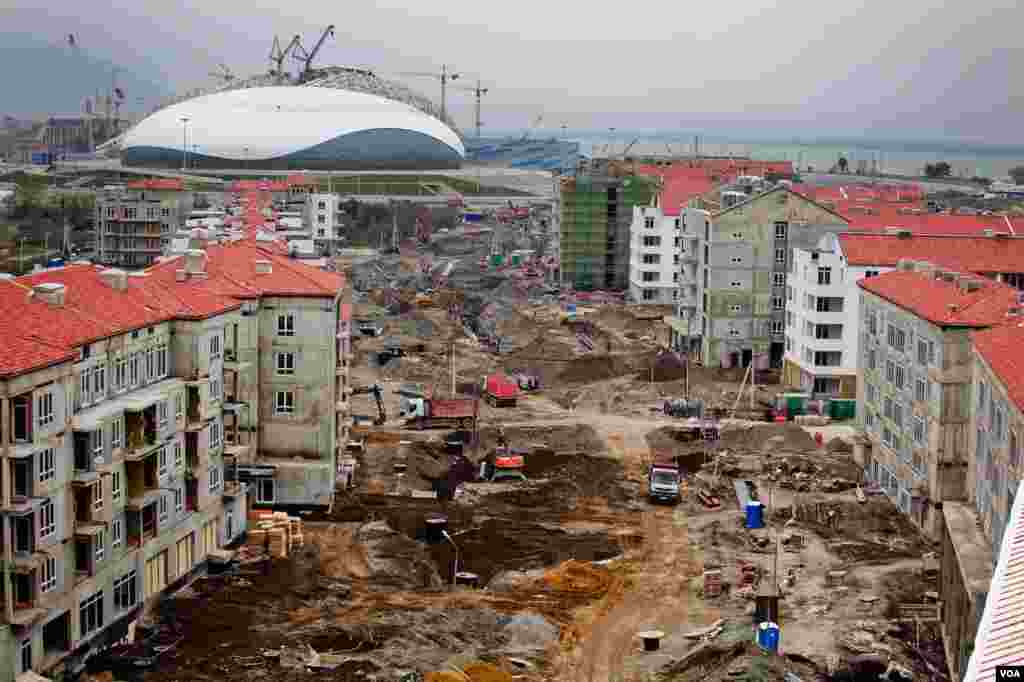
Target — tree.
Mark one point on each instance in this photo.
(29, 193)
(1017, 173)
(939, 169)
(843, 164)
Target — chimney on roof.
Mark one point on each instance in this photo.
(115, 279)
(263, 267)
(52, 292)
(195, 262)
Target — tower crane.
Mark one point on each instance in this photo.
(444, 76)
(307, 58)
(478, 93)
(277, 55)
(223, 73)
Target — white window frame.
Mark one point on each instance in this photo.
(45, 411)
(162, 508)
(179, 405)
(215, 346)
(85, 387)
(778, 303)
(162, 368)
(121, 374)
(215, 434)
(179, 500)
(779, 280)
(161, 461)
(97, 444)
(135, 369)
(284, 402)
(47, 520)
(260, 497)
(116, 533)
(116, 433)
(780, 230)
(285, 363)
(97, 495)
(214, 388)
(150, 364)
(99, 381)
(48, 575)
(88, 604)
(115, 486)
(780, 255)
(161, 413)
(100, 540)
(214, 478)
(47, 465)
(178, 457)
(286, 324)
(129, 579)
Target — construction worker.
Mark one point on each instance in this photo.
(502, 440)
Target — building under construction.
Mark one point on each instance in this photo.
(595, 211)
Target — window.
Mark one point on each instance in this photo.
(735, 309)
(651, 259)
(179, 500)
(47, 520)
(778, 303)
(265, 491)
(898, 376)
(115, 486)
(321, 205)
(869, 419)
(215, 346)
(150, 364)
(214, 479)
(896, 337)
(101, 544)
(47, 465)
(921, 390)
(870, 273)
(133, 369)
(897, 415)
(321, 218)
(25, 653)
(870, 393)
(649, 294)
(161, 361)
(120, 380)
(780, 255)
(97, 442)
(286, 363)
(887, 408)
(45, 409)
(286, 325)
(652, 241)
(779, 279)
(214, 389)
(215, 434)
(179, 406)
(177, 455)
(284, 402)
(780, 230)
(737, 260)
(872, 359)
(651, 276)
(185, 554)
(790, 318)
(789, 291)
(48, 574)
(116, 433)
(738, 236)
(736, 284)
(163, 507)
(116, 532)
(156, 573)
(649, 223)
(161, 413)
(99, 380)
(922, 352)
(873, 322)
(824, 274)
(919, 430)
(125, 592)
(734, 332)
(162, 461)
(84, 388)
(97, 495)
(777, 327)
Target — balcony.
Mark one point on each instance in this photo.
(25, 585)
(142, 524)
(142, 483)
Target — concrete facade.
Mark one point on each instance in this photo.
(134, 227)
(745, 274)
(821, 354)
(322, 218)
(686, 325)
(654, 265)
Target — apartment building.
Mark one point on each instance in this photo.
(140, 414)
(135, 225)
(913, 382)
(596, 213)
(745, 271)
(654, 265)
(323, 219)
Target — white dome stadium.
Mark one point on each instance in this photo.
(286, 127)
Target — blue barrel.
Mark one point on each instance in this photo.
(755, 515)
(768, 637)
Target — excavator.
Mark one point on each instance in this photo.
(378, 393)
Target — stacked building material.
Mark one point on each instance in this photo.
(284, 532)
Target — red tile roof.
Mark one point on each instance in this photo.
(173, 184)
(964, 254)
(1000, 347)
(933, 299)
(882, 217)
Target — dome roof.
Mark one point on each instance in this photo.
(286, 122)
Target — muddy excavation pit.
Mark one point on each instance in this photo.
(492, 546)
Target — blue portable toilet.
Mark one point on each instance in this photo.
(768, 637)
(755, 514)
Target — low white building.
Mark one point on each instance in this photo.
(822, 319)
(322, 218)
(654, 256)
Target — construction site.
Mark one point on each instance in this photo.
(535, 490)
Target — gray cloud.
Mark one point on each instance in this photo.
(795, 67)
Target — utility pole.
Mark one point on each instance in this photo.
(479, 92)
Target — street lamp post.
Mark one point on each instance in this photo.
(455, 568)
(184, 142)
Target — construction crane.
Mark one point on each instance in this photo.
(444, 77)
(223, 73)
(378, 393)
(277, 55)
(300, 53)
(478, 93)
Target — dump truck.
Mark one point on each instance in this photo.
(432, 413)
(501, 391)
(663, 481)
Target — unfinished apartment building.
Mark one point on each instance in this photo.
(130, 409)
(595, 215)
(134, 225)
(914, 379)
(744, 274)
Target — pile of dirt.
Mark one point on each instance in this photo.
(788, 436)
(492, 546)
(598, 367)
(837, 444)
(395, 561)
(576, 576)
(560, 438)
(666, 367)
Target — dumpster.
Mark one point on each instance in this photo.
(755, 514)
(843, 408)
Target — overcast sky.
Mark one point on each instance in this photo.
(743, 68)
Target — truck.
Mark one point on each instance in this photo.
(501, 391)
(663, 482)
(432, 413)
(504, 464)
